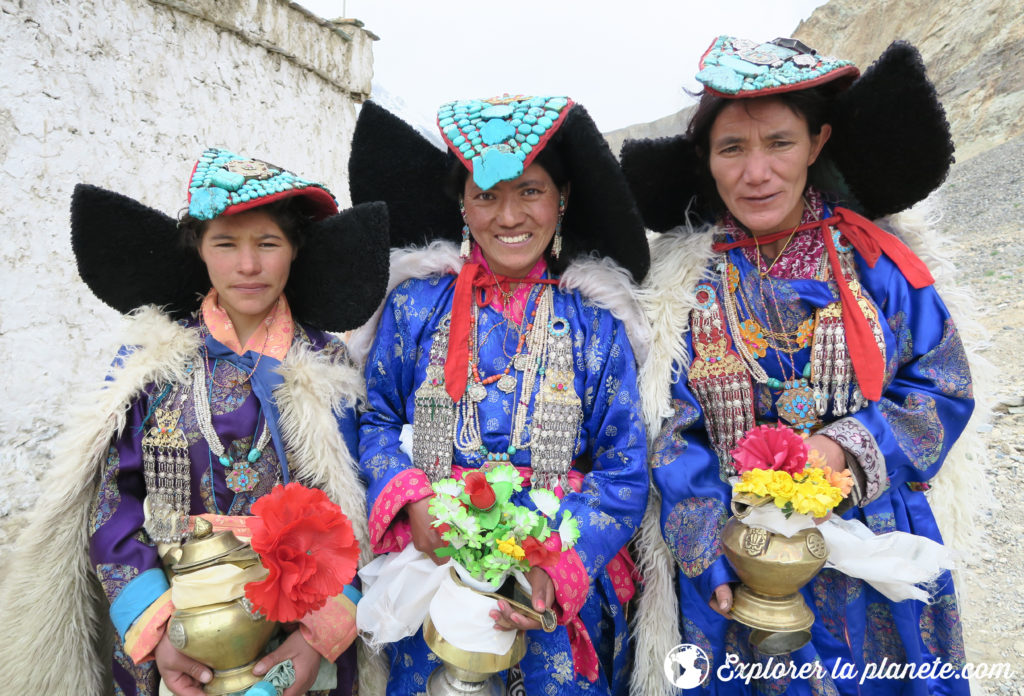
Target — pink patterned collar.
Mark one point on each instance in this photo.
(800, 259)
(522, 293)
(276, 331)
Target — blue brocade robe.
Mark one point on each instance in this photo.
(926, 402)
(612, 443)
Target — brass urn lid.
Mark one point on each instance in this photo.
(207, 548)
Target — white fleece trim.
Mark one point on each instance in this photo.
(667, 295)
(599, 280)
(50, 573)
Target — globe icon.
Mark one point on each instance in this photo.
(687, 666)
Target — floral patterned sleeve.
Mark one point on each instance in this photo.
(391, 478)
(695, 496)
(929, 397)
(122, 554)
(613, 496)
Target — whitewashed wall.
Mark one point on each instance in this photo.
(125, 94)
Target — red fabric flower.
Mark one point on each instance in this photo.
(307, 545)
(539, 555)
(480, 493)
(770, 447)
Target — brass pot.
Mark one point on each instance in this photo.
(772, 568)
(468, 673)
(227, 636)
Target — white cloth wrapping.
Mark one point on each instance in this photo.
(219, 583)
(462, 617)
(895, 564)
(400, 589)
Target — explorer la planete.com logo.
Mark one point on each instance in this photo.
(687, 666)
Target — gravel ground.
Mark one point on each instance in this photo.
(982, 204)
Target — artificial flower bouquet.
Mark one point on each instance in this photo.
(488, 535)
(774, 462)
(308, 547)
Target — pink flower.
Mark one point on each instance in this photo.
(770, 447)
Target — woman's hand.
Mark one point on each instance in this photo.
(180, 673)
(721, 600)
(506, 619)
(834, 455)
(425, 536)
(304, 657)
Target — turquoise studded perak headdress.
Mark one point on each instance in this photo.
(497, 138)
(737, 68)
(223, 183)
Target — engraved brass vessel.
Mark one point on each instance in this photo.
(227, 636)
(772, 568)
(468, 673)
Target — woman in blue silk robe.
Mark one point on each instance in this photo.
(518, 219)
(766, 319)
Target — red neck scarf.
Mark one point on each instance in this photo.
(473, 276)
(870, 241)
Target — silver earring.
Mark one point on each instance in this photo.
(556, 245)
(466, 239)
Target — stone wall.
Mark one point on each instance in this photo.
(125, 94)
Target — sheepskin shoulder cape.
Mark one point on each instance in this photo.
(680, 259)
(599, 280)
(54, 617)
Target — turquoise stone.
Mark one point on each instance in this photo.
(225, 461)
(741, 66)
(545, 122)
(208, 203)
(539, 129)
(720, 79)
(229, 181)
(529, 118)
(495, 166)
(527, 148)
(254, 455)
(445, 122)
(457, 142)
(497, 111)
(533, 139)
(525, 128)
(496, 131)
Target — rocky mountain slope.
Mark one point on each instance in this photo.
(974, 50)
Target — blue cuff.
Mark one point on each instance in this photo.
(718, 573)
(136, 597)
(352, 593)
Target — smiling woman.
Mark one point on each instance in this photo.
(515, 221)
(519, 350)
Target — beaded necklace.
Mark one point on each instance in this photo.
(557, 411)
(241, 477)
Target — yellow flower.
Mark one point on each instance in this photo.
(509, 547)
(781, 487)
(754, 481)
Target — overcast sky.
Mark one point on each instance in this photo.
(627, 62)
